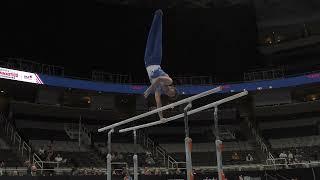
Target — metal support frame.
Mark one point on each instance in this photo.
(109, 155)
(188, 142)
(218, 143)
(135, 156)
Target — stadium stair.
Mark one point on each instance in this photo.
(149, 145)
(73, 132)
(260, 145)
(9, 153)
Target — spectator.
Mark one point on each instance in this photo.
(127, 177)
(28, 164)
(148, 153)
(1, 171)
(157, 171)
(178, 172)
(49, 153)
(33, 170)
(41, 150)
(113, 156)
(297, 157)
(146, 171)
(15, 172)
(283, 155)
(114, 172)
(235, 156)
(116, 156)
(74, 171)
(58, 158)
(120, 157)
(85, 172)
(100, 173)
(249, 158)
(95, 171)
(49, 157)
(167, 172)
(1, 168)
(290, 157)
(149, 160)
(50, 147)
(194, 172)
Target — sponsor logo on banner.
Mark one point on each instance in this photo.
(19, 76)
(313, 76)
(136, 87)
(5, 73)
(27, 76)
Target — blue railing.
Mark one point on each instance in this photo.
(229, 87)
(307, 78)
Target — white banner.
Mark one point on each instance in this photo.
(19, 76)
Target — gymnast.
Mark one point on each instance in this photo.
(161, 83)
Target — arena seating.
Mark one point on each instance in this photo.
(83, 155)
(43, 134)
(8, 155)
(3, 144)
(66, 146)
(62, 144)
(10, 158)
(86, 155)
(305, 154)
(203, 154)
(277, 133)
(307, 141)
(209, 158)
(120, 147)
(208, 147)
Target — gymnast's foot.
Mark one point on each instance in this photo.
(159, 12)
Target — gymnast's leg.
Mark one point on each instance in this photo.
(153, 53)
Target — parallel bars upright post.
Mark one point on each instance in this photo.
(188, 143)
(135, 156)
(109, 155)
(218, 144)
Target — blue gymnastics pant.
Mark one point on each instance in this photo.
(153, 52)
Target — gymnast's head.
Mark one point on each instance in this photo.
(171, 91)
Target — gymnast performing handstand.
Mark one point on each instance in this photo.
(161, 83)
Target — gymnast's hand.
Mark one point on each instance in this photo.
(147, 92)
(163, 119)
(152, 87)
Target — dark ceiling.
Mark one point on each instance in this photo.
(213, 37)
(82, 36)
(176, 3)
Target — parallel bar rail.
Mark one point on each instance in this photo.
(208, 106)
(183, 101)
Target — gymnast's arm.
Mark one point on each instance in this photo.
(157, 96)
(161, 80)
